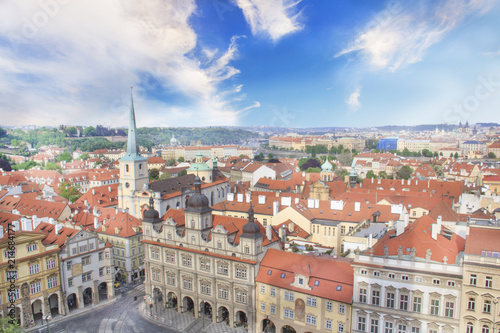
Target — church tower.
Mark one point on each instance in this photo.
(133, 169)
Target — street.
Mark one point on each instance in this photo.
(121, 316)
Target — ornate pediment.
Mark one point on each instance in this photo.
(219, 229)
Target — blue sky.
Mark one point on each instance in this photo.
(309, 63)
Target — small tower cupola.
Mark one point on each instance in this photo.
(251, 229)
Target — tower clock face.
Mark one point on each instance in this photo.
(127, 185)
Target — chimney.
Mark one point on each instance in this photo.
(85, 203)
(269, 232)
(36, 223)
(400, 227)
(439, 220)
(262, 199)
(93, 191)
(303, 173)
(316, 203)
(402, 181)
(436, 229)
(240, 197)
(310, 203)
(15, 226)
(370, 240)
(58, 228)
(230, 197)
(96, 223)
(372, 180)
(1, 232)
(283, 233)
(407, 219)
(51, 220)
(109, 189)
(27, 226)
(291, 227)
(248, 197)
(276, 207)
(357, 206)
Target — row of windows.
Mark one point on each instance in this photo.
(389, 327)
(488, 281)
(471, 305)
(405, 277)
(403, 304)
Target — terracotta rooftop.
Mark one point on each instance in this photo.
(328, 279)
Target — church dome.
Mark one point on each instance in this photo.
(198, 202)
(151, 215)
(251, 229)
(327, 166)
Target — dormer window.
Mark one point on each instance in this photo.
(301, 281)
(192, 223)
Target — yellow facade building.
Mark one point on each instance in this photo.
(297, 293)
(30, 283)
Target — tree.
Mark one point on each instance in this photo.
(370, 174)
(153, 174)
(456, 155)
(65, 156)
(9, 325)
(427, 153)
(53, 166)
(313, 170)
(311, 163)
(24, 166)
(84, 157)
(180, 159)
(345, 159)
(68, 191)
(382, 174)
(404, 172)
(492, 155)
(165, 175)
(89, 131)
(182, 173)
(2, 132)
(270, 156)
(341, 172)
(5, 164)
(171, 161)
(441, 154)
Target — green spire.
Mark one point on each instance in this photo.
(132, 148)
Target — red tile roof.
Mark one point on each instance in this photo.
(122, 225)
(418, 235)
(482, 239)
(329, 274)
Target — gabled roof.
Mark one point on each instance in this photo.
(328, 278)
(121, 224)
(40, 208)
(445, 211)
(234, 225)
(418, 235)
(101, 196)
(51, 237)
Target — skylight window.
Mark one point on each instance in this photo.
(269, 272)
(339, 288)
(283, 275)
(316, 283)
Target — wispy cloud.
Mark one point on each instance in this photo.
(492, 53)
(273, 18)
(72, 63)
(353, 100)
(402, 33)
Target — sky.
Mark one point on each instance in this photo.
(297, 63)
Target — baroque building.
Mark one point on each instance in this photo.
(204, 264)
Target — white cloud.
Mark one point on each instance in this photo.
(274, 18)
(72, 62)
(353, 100)
(400, 35)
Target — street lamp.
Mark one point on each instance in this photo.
(47, 318)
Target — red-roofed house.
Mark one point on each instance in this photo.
(410, 280)
(124, 232)
(298, 293)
